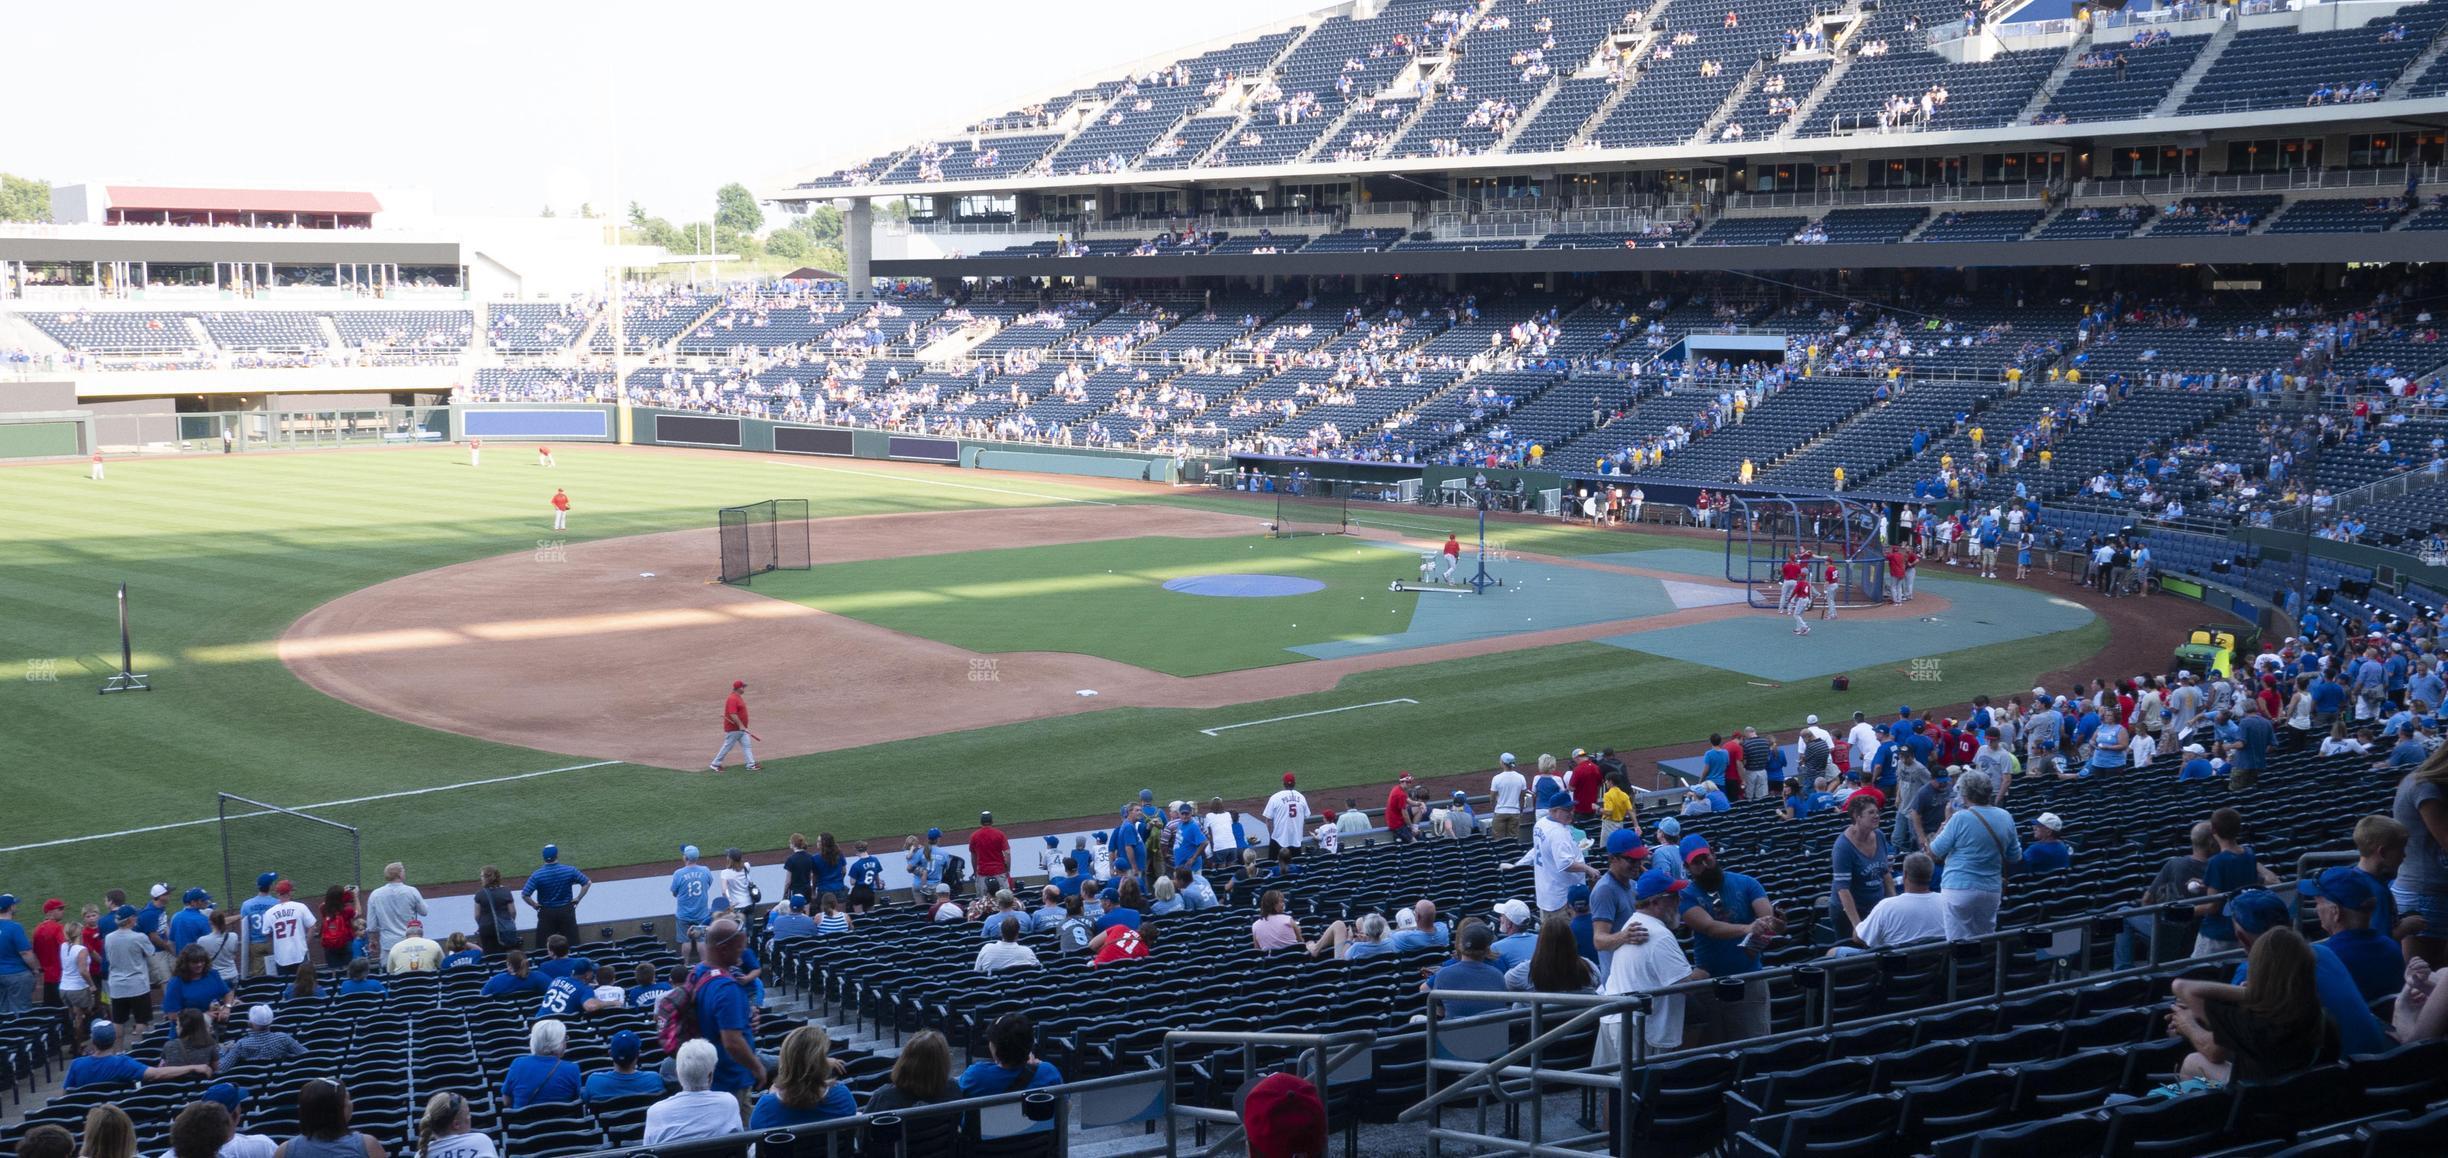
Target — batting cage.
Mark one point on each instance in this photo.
(1313, 507)
(309, 851)
(760, 537)
(1763, 533)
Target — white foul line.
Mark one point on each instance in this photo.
(309, 807)
(1275, 720)
(940, 483)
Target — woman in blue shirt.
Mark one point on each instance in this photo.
(1012, 1043)
(804, 1090)
(194, 985)
(456, 952)
(1976, 845)
(1862, 865)
(542, 1076)
(361, 979)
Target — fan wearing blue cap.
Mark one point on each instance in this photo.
(926, 862)
(1610, 900)
(233, 1097)
(1128, 843)
(1555, 852)
(792, 920)
(193, 920)
(2345, 899)
(2228, 1042)
(106, 1066)
(624, 1079)
(554, 891)
(250, 916)
(1654, 962)
(692, 888)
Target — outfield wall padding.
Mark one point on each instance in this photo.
(61, 438)
(1094, 466)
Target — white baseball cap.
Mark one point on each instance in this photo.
(161, 890)
(1811, 720)
(2050, 821)
(1507, 758)
(1514, 911)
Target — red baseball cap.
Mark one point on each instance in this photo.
(739, 685)
(283, 888)
(1283, 1118)
(54, 905)
(1287, 780)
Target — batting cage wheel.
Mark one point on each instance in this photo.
(760, 537)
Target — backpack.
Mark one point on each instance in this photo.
(676, 1012)
(337, 931)
(956, 870)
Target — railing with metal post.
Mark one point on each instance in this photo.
(1325, 1053)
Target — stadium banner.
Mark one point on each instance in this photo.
(2185, 587)
(1093, 466)
(53, 439)
(697, 430)
(923, 449)
(814, 440)
(594, 422)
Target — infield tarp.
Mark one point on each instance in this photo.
(1978, 615)
(1535, 597)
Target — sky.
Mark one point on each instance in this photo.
(507, 106)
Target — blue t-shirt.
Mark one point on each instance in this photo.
(463, 957)
(13, 941)
(552, 967)
(867, 872)
(1124, 916)
(770, 1113)
(116, 1069)
(251, 914)
(2256, 735)
(1363, 950)
(1585, 938)
(2384, 917)
(535, 1079)
(690, 887)
(722, 1004)
(369, 985)
(149, 919)
(829, 875)
(2046, 856)
(1192, 837)
(507, 985)
(1731, 904)
(564, 997)
(1436, 936)
(784, 926)
(985, 1078)
(991, 927)
(2226, 873)
(2374, 961)
(188, 924)
(197, 994)
(2104, 756)
(1469, 976)
(1714, 765)
(2407, 754)
(2328, 696)
(1129, 851)
(2197, 768)
(1513, 950)
(644, 996)
(604, 1085)
(2358, 1031)
(550, 886)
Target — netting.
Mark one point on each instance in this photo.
(760, 537)
(1763, 533)
(309, 851)
(1318, 507)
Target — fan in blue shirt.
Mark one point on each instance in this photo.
(1188, 838)
(1129, 850)
(1012, 1064)
(2346, 902)
(691, 887)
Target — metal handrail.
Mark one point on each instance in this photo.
(1326, 1053)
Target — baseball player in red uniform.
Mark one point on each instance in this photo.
(735, 729)
(97, 466)
(1827, 590)
(543, 456)
(1453, 556)
(475, 452)
(1788, 576)
(560, 504)
(1801, 605)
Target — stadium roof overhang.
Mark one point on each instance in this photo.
(2251, 249)
(183, 199)
(2330, 118)
(311, 247)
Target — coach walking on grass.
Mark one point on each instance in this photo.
(735, 729)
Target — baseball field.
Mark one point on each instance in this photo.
(401, 642)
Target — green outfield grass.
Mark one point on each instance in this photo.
(222, 554)
(1108, 598)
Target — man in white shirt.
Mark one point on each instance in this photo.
(289, 925)
(945, 908)
(1506, 789)
(1863, 740)
(1555, 855)
(241, 1144)
(698, 1110)
(1287, 816)
(389, 909)
(1916, 914)
(1227, 849)
(1329, 834)
(1647, 965)
(1006, 952)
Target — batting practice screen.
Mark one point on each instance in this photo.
(309, 851)
(760, 537)
(1313, 507)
